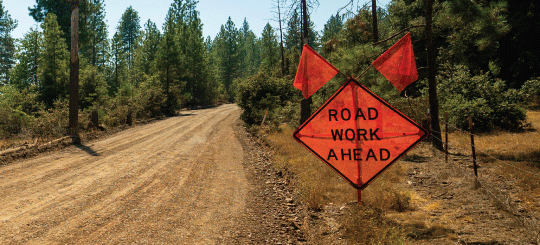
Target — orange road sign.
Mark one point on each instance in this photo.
(358, 134)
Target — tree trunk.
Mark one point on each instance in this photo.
(281, 40)
(74, 74)
(305, 104)
(375, 20)
(432, 83)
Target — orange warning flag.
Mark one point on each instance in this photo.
(313, 72)
(397, 63)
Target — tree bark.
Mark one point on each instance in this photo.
(375, 20)
(432, 83)
(305, 104)
(74, 74)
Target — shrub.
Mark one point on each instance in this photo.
(149, 98)
(484, 99)
(262, 93)
(530, 93)
(53, 122)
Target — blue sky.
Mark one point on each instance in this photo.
(213, 13)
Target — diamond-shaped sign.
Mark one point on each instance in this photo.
(358, 134)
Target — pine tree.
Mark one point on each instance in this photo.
(7, 44)
(168, 59)
(332, 28)
(25, 73)
(293, 37)
(129, 29)
(53, 70)
(62, 10)
(269, 49)
(249, 50)
(227, 53)
(147, 52)
(95, 47)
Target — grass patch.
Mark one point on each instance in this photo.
(320, 186)
(516, 154)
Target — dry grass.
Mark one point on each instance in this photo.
(516, 155)
(321, 186)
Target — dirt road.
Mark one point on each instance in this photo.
(175, 181)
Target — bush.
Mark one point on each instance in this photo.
(13, 121)
(484, 99)
(530, 93)
(149, 99)
(262, 93)
(53, 122)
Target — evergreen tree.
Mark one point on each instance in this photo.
(95, 47)
(53, 69)
(118, 64)
(198, 89)
(269, 49)
(147, 53)
(7, 44)
(227, 53)
(249, 51)
(129, 30)
(62, 10)
(25, 73)
(293, 37)
(332, 28)
(168, 59)
(519, 50)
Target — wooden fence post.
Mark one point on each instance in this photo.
(471, 132)
(94, 119)
(446, 137)
(129, 119)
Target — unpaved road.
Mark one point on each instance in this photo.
(175, 181)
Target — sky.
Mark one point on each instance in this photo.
(213, 13)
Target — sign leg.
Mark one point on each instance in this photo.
(359, 194)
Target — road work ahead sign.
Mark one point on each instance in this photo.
(358, 134)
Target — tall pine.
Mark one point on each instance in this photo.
(227, 52)
(7, 44)
(25, 73)
(129, 29)
(269, 49)
(96, 44)
(53, 70)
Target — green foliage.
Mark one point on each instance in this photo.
(25, 73)
(269, 50)
(249, 51)
(149, 99)
(7, 44)
(52, 122)
(261, 94)
(94, 42)
(529, 94)
(480, 97)
(226, 51)
(16, 107)
(519, 50)
(92, 86)
(53, 63)
(129, 30)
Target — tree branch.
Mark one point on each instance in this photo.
(397, 34)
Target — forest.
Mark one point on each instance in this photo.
(487, 63)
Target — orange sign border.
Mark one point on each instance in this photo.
(426, 133)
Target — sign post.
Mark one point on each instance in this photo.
(358, 134)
